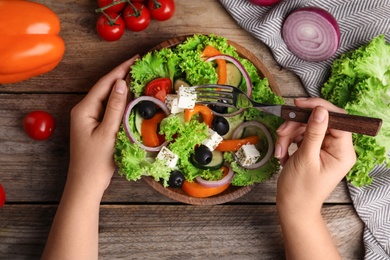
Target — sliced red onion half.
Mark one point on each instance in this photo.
(126, 125)
(244, 73)
(213, 184)
(311, 33)
(267, 134)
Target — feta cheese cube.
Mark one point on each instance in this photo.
(172, 101)
(212, 140)
(186, 97)
(247, 154)
(170, 157)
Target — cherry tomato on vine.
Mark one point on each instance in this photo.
(137, 17)
(137, 1)
(110, 30)
(159, 88)
(39, 125)
(2, 196)
(115, 8)
(161, 10)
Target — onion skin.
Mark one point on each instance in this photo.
(311, 33)
(264, 2)
(125, 121)
(244, 73)
(270, 141)
(213, 184)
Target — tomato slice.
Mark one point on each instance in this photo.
(159, 88)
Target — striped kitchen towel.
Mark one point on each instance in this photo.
(359, 22)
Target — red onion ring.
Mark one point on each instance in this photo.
(126, 125)
(213, 184)
(244, 73)
(269, 140)
(311, 33)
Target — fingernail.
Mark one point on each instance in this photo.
(281, 127)
(278, 151)
(319, 115)
(120, 87)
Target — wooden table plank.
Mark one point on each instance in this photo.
(176, 232)
(136, 221)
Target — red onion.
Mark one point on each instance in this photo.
(244, 73)
(270, 141)
(126, 125)
(264, 2)
(311, 33)
(212, 184)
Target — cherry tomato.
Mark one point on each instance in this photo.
(137, 1)
(39, 125)
(115, 9)
(2, 196)
(159, 88)
(161, 10)
(110, 30)
(137, 17)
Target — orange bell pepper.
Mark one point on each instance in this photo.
(149, 129)
(210, 51)
(29, 44)
(206, 113)
(235, 144)
(196, 190)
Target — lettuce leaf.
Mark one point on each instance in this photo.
(360, 83)
(157, 64)
(185, 61)
(133, 162)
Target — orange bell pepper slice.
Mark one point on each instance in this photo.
(29, 44)
(235, 144)
(194, 189)
(210, 51)
(207, 114)
(149, 128)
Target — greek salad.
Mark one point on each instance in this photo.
(202, 149)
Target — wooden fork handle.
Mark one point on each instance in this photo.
(351, 123)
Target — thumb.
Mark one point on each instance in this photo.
(115, 107)
(315, 132)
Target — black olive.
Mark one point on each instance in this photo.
(220, 125)
(146, 109)
(176, 179)
(203, 155)
(218, 109)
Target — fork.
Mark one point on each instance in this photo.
(229, 96)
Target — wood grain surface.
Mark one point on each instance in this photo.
(136, 221)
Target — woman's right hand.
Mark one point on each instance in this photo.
(323, 158)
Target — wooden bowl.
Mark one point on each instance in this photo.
(233, 192)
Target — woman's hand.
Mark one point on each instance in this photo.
(309, 175)
(323, 158)
(94, 124)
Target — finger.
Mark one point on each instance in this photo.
(315, 133)
(101, 90)
(115, 108)
(287, 134)
(313, 102)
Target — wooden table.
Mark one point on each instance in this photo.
(136, 221)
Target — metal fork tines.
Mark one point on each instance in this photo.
(221, 95)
